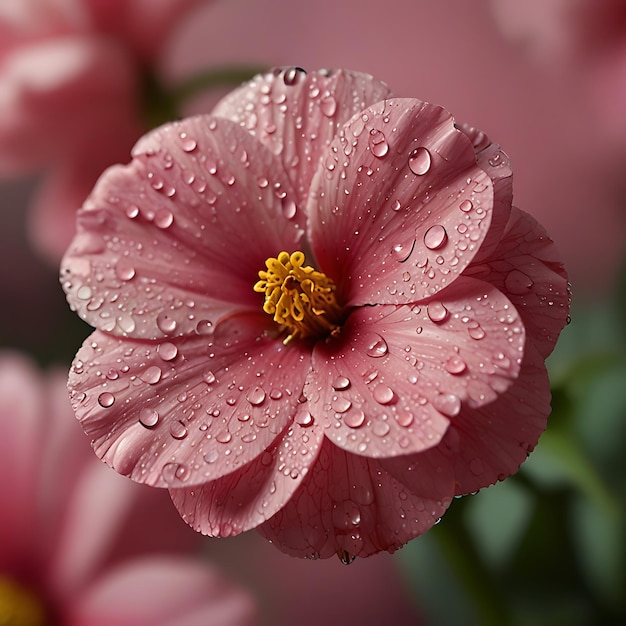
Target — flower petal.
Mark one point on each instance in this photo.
(397, 375)
(297, 114)
(352, 506)
(392, 216)
(158, 249)
(163, 591)
(493, 160)
(489, 443)
(249, 496)
(526, 267)
(191, 410)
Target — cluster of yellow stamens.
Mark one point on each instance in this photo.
(19, 606)
(298, 297)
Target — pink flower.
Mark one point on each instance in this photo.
(317, 314)
(71, 75)
(76, 542)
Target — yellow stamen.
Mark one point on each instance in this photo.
(298, 297)
(19, 606)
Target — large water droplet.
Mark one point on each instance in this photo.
(289, 208)
(178, 430)
(304, 418)
(517, 282)
(376, 347)
(124, 270)
(173, 473)
(341, 404)
(437, 312)
(378, 143)
(106, 399)
(204, 327)
(354, 418)
(419, 161)
(340, 383)
(328, 105)
(148, 417)
(475, 330)
(346, 514)
(383, 394)
(466, 206)
(188, 144)
(167, 351)
(166, 323)
(435, 237)
(448, 404)
(292, 75)
(455, 365)
(151, 375)
(255, 396)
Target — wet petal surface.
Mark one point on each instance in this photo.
(352, 506)
(296, 114)
(398, 207)
(158, 251)
(184, 412)
(397, 376)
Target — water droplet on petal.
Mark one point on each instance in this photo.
(289, 208)
(187, 143)
(84, 292)
(304, 418)
(466, 206)
(517, 282)
(455, 365)
(178, 430)
(106, 399)
(380, 428)
(435, 237)
(148, 417)
(340, 383)
(383, 394)
(204, 327)
(166, 323)
(328, 106)
(378, 143)
(354, 418)
(255, 396)
(223, 437)
(292, 75)
(376, 347)
(448, 404)
(124, 270)
(475, 330)
(437, 312)
(174, 472)
(167, 351)
(151, 375)
(419, 161)
(341, 405)
(346, 514)
(163, 218)
(209, 377)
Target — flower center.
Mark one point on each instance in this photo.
(19, 606)
(298, 297)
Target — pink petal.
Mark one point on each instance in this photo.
(398, 375)
(491, 159)
(490, 442)
(189, 411)
(297, 114)
(251, 495)
(392, 216)
(159, 246)
(163, 591)
(22, 439)
(62, 96)
(526, 266)
(352, 506)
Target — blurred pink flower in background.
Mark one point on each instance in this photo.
(72, 80)
(587, 37)
(79, 545)
(409, 371)
(449, 52)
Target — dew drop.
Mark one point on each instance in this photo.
(292, 75)
(376, 346)
(437, 312)
(448, 404)
(380, 428)
(178, 430)
(340, 383)
(341, 405)
(401, 251)
(166, 323)
(148, 417)
(383, 394)
(466, 206)
(167, 351)
(476, 331)
(163, 218)
(209, 377)
(289, 208)
(188, 144)
(517, 282)
(455, 365)
(124, 270)
(419, 161)
(328, 106)
(106, 399)
(378, 143)
(204, 327)
(174, 472)
(84, 292)
(435, 237)
(404, 418)
(223, 437)
(255, 396)
(211, 456)
(304, 418)
(151, 375)
(355, 418)
(346, 514)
